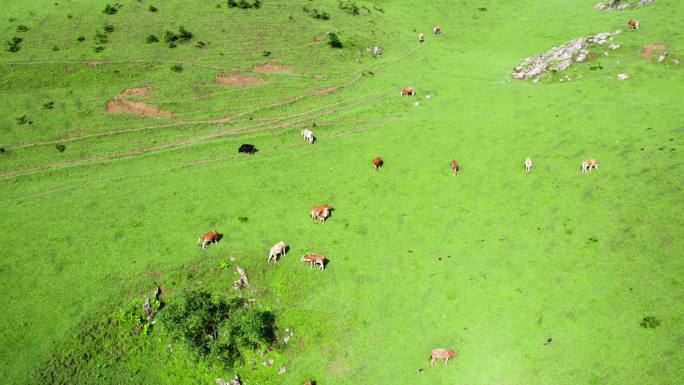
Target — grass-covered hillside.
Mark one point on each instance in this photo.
(119, 132)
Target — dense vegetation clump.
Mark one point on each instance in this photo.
(177, 68)
(112, 9)
(334, 40)
(13, 45)
(349, 6)
(316, 14)
(109, 28)
(183, 36)
(152, 8)
(244, 4)
(22, 28)
(216, 327)
(650, 322)
(151, 39)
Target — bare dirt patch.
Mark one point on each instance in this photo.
(318, 38)
(270, 67)
(236, 80)
(649, 48)
(323, 91)
(94, 63)
(119, 105)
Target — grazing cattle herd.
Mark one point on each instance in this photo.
(320, 213)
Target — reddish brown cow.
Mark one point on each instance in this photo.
(377, 163)
(408, 90)
(208, 237)
(454, 167)
(633, 24)
(320, 212)
(441, 354)
(314, 259)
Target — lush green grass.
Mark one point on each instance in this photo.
(492, 262)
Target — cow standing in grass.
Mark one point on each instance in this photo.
(408, 91)
(454, 167)
(208, 237)
(320, 212)
(308, 135)
(276, 250)
(633, 24)
(588, 164)
(421, 37)
(441, 354)
(314, 259)
(377, 163)
(528, 165)
(437, 30)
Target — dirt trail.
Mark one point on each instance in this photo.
(237, 80)
(649, 48)
(120, 105)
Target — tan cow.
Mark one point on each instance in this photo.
(320, 212)
(437, 30)
(441, 354)
(377, 163)
(314, 259)
(528, 165)
(633, 24)
(421, 37)
(276, 250)
(208, 237)
(408, 90)
(588, 164)
(454, 167)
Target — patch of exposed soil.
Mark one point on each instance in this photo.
(324, 91)
(94, 63)
(270, 67)
(318, 38)
(236, 80)
(649, 48)
(119, 105)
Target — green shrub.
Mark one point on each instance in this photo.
(13, 45)
(60, 147)
(218, 328)
(22, 120)
(99, 48)
(100, 37)
(109, 28)
(177, 68)
(49, 105)
(323, 15)
(112, 9)
(650, 322)
(22, 28)
(151, 39)
(200, 44)
(334, 40)
(55, 48)
(244, 4)
(152, 8)
(183, 36)
(349, 6)
(81, 38)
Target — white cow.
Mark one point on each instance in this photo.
(308, 135)
(588, 164)
(276, 250)
(528, 165)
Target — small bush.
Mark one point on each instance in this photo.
(60, 147)
(22, 120)
(109, 28)
(112, 9)
(100, 37)
(81, 38)
(13, 45)
(334, 40)
(99, 48)
(322, 15)
(22, 28)
(49, 105)
(216, 327)
(650, 322)
(55, 48)
(151, 39)
(152, 8)
(244, 4)
(266, 53)
(349, 6)
(200, 44)
(177, 68)
(184, 34)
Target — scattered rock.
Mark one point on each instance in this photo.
(281, 370)
(623, 76)
(620, 5)
(614, 46)
(675, 61)
(234, 381)
(268, 362)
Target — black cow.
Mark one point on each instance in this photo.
(247, 149)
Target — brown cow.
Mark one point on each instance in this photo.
(408, 90)
(588, 164)
(437, 30)
(454, 167)
(377, 163)
(320, 212)
(208, 237)
(310, 383)
(633, 24)
(314, 259)
(441, 354)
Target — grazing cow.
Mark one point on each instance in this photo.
(247, 149)
(528, 165)
(312, 382)
(276, 250)
(314, 259)
(308, 135)
(437, 30)
(588, 164)
(633, 24)
(377, 163)
(454, 167)
(208, 237)
(421, 37)
(320, 212)
(377, 51)
(441, 354)
(408, 90)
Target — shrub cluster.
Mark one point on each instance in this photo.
(334, 40)
(13, 45)
(216, 327)
(22, 28)
(316, 14)
(172, 38)
(349, 6)
(244, 4)
(112, 9)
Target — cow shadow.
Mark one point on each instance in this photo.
(219, 237)
(326, 262)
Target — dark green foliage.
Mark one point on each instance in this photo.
(81, 38)
(100, 37)
(13, 45)
(22, 28)
(109, 28)
(99, 48)
(650, 322)
(334, 40)
(244, 4)
(349, 6)
(216, 327)
(49, 105)
(152, 8)
(378, 8)
(183, 36)
(152, 39)
(266, 53)
(22, 120)
(322, 14)
(177, 68)
(55, 48)
(200, 44)
(60, 147)
(112, 9)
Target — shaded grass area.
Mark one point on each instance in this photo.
(492, 263)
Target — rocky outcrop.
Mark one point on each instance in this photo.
(619, 5)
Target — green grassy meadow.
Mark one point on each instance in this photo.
(492, 263)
